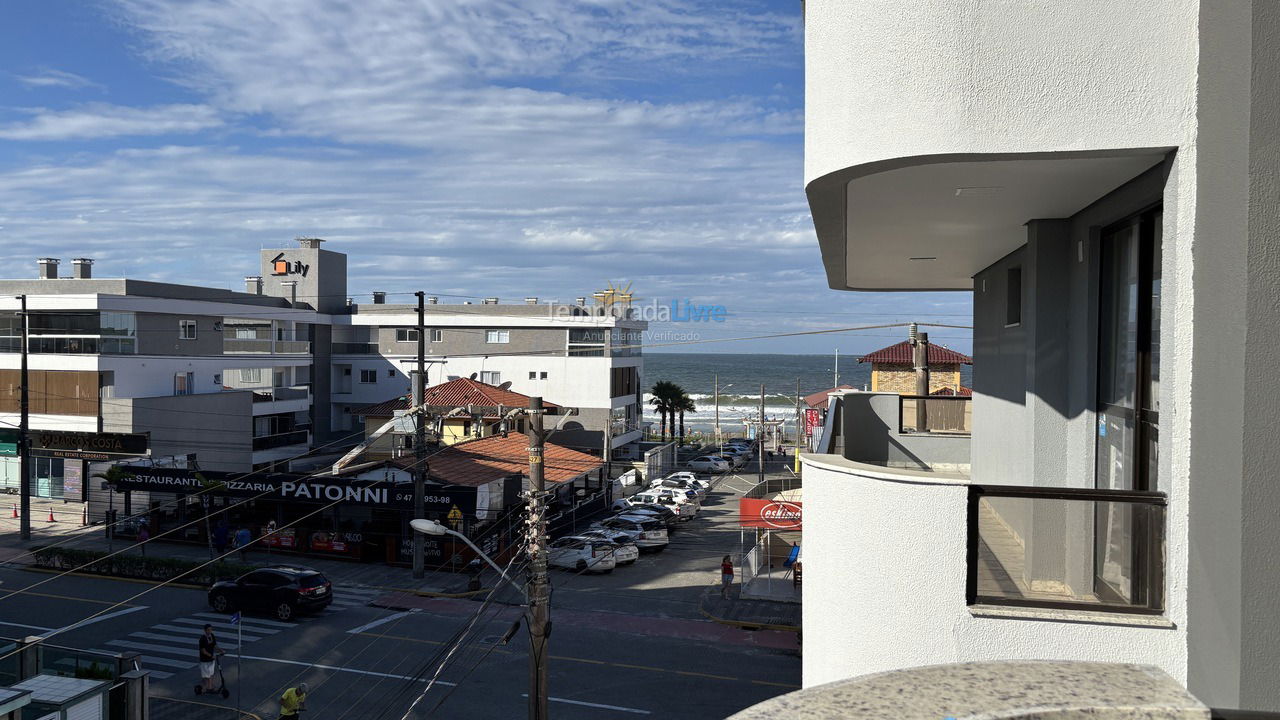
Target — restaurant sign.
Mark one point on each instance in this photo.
(769, 514)
(291, 486)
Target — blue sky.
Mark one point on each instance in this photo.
(478, 148)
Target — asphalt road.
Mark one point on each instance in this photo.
(625, 645)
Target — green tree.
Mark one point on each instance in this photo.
(666, 397)
(685, 405)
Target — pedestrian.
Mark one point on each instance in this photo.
(220, 537)
(209, 652)
(143, 536)
(243, 538)
(292, 701)
(726, 576)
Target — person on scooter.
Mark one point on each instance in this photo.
(209, 652)
(293, 701)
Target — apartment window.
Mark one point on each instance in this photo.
(437, 335)
(391, 373)
(492, 377)
(406, 335)
(368, 377)
(533, 375)
(186, 329)
(587, 342)
(497, 336)
(251, 375)
(184, 383)
(1013, 297)
(544, 374)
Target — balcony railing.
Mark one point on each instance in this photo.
(296, 392)
(343, 348)
(264, 346)
(936, 414)
(1066, 548)
(267, 442)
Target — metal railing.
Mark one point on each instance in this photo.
(293, 392)
(264, 346)
(267, 442)
(1066, 548)
(938, 414)
(348, 348)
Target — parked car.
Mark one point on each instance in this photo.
(681, 484)
(678, 495)
(707, 463)
(665, 506)
(582, 553)
(668, 513)
(687, 475)
(625, 552)
(646, 531)
(283, 591)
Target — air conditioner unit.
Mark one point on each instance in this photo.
(217, 378)
(217, 325)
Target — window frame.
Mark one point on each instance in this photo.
(503, 335)
(406, 335)
(182, 329)
(373, 373)
(437, 335)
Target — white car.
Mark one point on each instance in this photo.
(646, 531)
(686, 475)
(707, 463)
(678, 495)
(625, 552)
(680, 484)
(581, 553)
(684, 511)
(734, 461)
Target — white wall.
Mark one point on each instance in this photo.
(887, 589)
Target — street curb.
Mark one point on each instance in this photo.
(742, 624)
(142, 581)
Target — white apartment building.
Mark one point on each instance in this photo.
(253, 379)
(1101, 175)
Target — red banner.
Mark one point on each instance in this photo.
(811, 421)
(769, 514)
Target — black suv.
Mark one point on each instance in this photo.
(282, 591)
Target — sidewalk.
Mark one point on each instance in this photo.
(749, 612)
(13, 551)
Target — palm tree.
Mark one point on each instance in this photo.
(685, 405)
(666, 395)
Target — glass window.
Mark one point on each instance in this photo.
(184, 383)
(533, 375)
(251, 375)
(492, 377)
(186, 329)
(497, 336)
(544, 374)
(368, 377)
(437, 335)
(406, 335)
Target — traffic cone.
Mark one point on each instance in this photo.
(51, 518)
(15, 511)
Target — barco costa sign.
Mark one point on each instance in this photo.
(769, 514)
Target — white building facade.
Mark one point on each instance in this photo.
(1102, 177)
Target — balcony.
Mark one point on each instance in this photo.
(349, 348)
(261, 342)
(278, 394)
(268, 442)
(925, 433)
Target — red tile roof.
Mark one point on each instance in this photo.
(901, 354)
(477, 462)
(455, 393)
(819, 399)
(964, 391)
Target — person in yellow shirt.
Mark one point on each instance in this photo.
(292, 701)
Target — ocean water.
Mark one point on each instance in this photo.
(741, 376)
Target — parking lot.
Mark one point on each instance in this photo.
(669, 584)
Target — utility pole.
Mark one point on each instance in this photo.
(24, 446)
(420, 440)
(760, 433)
(920, 358)
(539, 587)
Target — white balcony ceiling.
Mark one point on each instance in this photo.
(915, 211)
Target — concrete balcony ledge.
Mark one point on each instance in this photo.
(1043, 690)
(841, 464)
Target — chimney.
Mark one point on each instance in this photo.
(48, 268)
(310, 243)
(491, 301)
(291, 290)
(379, 298)
(253, 284)
(82, 268)
(531, 301)
(433, 300)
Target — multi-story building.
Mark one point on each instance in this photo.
(253, 379)
(1101, 176)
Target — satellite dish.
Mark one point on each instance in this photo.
(473, 375)
(505, 386)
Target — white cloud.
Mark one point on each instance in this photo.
(50, 77)
(99, 120)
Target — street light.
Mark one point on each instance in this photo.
(431, 527)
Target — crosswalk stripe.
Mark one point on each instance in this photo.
(195, 631)
(244, 619)
(186, 642)
(187, 651)
(225, 625)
